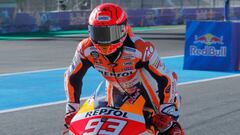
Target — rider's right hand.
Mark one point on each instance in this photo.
(162, 122)
(166, 125)
(71, 111)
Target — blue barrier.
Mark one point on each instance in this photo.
(12, 22)
(212, 45)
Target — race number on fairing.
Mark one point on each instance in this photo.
(109, 127)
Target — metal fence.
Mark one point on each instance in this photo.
(77, 5)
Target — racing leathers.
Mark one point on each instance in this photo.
(135, 67)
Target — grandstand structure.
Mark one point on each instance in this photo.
(55, 15)
(76, 5)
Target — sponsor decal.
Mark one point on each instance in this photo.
(208, 39)
(94, 54)
(148, 52)
(106, 111)
(127, 68)
(130, 49)
(98, 67)
(208, 45)
(127, 57)
(208, 51)
(104, 18)
(128, 63)
(121, 74)
(108, 126)
(157, 63)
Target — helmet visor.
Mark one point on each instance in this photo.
(106, 34)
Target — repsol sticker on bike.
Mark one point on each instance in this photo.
(106, 111)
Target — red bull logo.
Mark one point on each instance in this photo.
(208, 50)
(208, 39)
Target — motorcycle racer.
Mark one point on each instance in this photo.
(130, 65)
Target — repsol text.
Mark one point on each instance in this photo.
(106, 111)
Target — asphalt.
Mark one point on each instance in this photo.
(27, 55)
(209, 108)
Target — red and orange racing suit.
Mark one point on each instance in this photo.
(137, 67)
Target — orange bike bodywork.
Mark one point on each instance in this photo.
(128, 119)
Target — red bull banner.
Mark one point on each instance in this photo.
(212, 45)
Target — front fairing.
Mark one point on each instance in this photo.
(96, 117)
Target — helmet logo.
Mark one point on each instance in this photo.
(103, 18)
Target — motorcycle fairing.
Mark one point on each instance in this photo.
(128, 119)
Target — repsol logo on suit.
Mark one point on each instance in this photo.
(121, 74)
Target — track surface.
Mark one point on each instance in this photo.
(209, 108)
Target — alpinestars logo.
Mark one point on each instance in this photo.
(213, 46)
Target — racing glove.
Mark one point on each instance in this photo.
(166, 125)
(175, 130)
(71, 111)
(162, 122)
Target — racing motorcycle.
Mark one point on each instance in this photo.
(95, 117)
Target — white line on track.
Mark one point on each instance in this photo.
(31, 107)
(29, 72)
(175, 56)
(210, 79)
(36, 106)
(60, 102)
